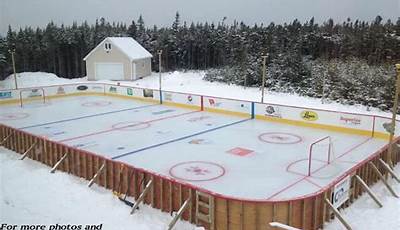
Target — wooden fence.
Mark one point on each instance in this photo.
(308, 212)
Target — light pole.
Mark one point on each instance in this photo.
(394, 112)
(263, 78)
(159, 52)
(12, 51)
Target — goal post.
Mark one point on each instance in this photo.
(32, 94)
(310, 154)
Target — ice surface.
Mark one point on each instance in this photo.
(209, 150)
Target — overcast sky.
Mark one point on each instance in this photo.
(20, 13)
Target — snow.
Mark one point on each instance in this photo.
(27, 186)
(128, 46)
(35, 79)
(32, 195)
(192, 82)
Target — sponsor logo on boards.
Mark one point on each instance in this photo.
(147, 93)
(271, 111)
(60, 90)
(4, 95)
(213, 102)
(350, 120)
(112, 89)
(129, 91)
(35, 93)
(309, 115)
(189, 98)
(82, 87)
(341, 192)
(167, 96)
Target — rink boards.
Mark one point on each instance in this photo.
(218, 134)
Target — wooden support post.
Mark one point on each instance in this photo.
(338, 215)
(387, 167)
(179, 213)
(282, 226)
(97, 174)
(142, 195)
(383, 179)
(371, 194)
(58, 163)
(6, 138)
(27, 151)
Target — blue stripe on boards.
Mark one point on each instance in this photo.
(94, 115)
(179, 139)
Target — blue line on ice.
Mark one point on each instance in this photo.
(94, 115)
(181, 138)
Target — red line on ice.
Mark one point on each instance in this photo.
(113, 129)
(305, 177)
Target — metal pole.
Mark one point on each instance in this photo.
(15, 72)
(159, 71)
(263, 78)
(394, 112)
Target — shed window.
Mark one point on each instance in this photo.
(107, 46)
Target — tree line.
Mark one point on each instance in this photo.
(60, 49)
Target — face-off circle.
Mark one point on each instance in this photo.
(197, 171)
(96, 103)
(13, 116)
(131, 125)
(280, 138)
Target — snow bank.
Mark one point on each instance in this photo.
(34, 79)
(192, 82)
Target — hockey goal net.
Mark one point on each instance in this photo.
(320, 151)
(32, 96)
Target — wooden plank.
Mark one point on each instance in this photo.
(307, 213)
(388, 169)
(338, 215)
(142, 196)
(249, 216)
(383, 180)
(265, 216)
(369, 191)
(235, 213)
(179, 214)
(281, 212)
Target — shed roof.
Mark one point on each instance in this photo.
(127, 45)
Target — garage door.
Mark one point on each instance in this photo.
(109, 71)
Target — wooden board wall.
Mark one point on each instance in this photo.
(168, 195)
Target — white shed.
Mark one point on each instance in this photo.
(118, 58)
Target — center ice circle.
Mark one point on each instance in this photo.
(13, 116)
(96, 103)
(131, 125)
(280, 138)
(197, 171)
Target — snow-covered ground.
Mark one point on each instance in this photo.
(192, 82)
(33, 79)
(29, 194)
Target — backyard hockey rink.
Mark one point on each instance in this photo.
(235, 156)
(239, 163)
